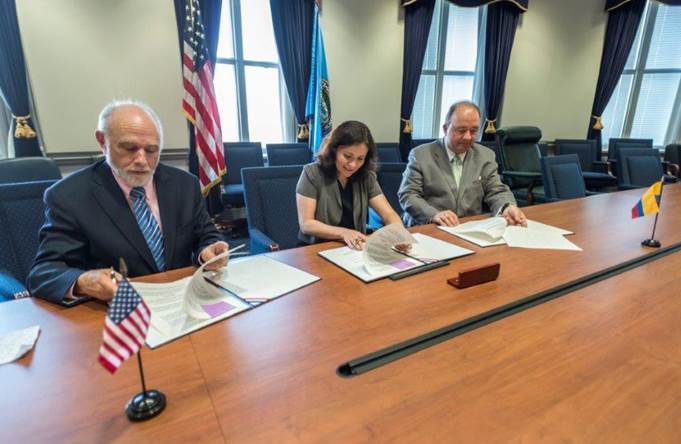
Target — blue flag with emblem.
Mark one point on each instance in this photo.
(318, 105)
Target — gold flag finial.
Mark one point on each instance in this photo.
(23, 130)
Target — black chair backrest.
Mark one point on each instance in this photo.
(638, 167)
(389, 152)
(28, 169)
(270, 195)
(585, 149)
(672, 153)
(616, 143)
(519, 147)
(282, 154)
(240, 155)
(562, 177)
(390, 178)
(22, 212)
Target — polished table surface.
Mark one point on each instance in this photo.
(598, 364)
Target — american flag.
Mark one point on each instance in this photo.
(199, 103)
(125, 328)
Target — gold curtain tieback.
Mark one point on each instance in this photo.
(489, 126)
(23, 130)
(407, 126)
(303, 131)
(598, 124)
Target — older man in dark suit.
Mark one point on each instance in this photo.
(451, 177)
(127, 206)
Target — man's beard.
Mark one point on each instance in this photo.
(133, 180)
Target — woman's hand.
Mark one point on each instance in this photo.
(354, 239)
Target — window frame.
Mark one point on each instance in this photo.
(239, 63)
(639, 71)
(439, 73)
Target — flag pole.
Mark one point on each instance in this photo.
(148, 403)
(652, 242)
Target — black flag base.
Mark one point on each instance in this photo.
(652, 243)
(145, 405)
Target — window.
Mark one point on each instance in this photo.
(248, 82)
(646, 101)
(449, 66)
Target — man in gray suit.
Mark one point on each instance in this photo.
(450, 177)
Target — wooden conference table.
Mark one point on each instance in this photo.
(601, 363)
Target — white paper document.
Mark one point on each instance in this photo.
(492, 231)
(15, 344)
(183, 306)
(526, 238)
(426, 249)
(260, 278)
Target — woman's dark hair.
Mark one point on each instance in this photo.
(347, 134)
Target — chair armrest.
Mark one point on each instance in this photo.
(260, 242)
(11, 288)
(522, 174)
(592, 193)
(600, 166)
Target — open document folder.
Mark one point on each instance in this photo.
(390, 250)
(495, 231)
(183, 306)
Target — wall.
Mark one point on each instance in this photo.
(363, 43)
(82, 53)
(554, 67)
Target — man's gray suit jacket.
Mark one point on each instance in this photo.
(428, 185)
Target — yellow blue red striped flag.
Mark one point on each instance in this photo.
(649, 203)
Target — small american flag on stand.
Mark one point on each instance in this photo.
(199, 102)
(125, 328)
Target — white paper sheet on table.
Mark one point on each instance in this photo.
(425, 248)
(547, 240)
(15, 344)
(489, 232)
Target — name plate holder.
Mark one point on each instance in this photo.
(476, 275)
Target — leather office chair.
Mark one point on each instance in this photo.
(389, 178)
(22, 212)
(28, 169)
(594, 170)
(239, 155)
(520, 152)
(562, 177)
(389, 153)
(672, 155)
(271, 207)
(282, 154)
(616, 143)
(638, 167)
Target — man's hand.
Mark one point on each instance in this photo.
(97, 283)
(446, 218)
(514, 216)
(210, 252)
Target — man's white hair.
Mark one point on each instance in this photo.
(105, 114)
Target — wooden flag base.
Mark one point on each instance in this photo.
(652, 243)
(145, 405)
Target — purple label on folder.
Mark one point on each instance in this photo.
(402, 264)
(215, 310)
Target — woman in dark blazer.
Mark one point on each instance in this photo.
(334, 193)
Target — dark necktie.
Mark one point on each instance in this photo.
(149, 226)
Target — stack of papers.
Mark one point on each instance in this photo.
(495, 231)
(424, 250)
(189, 304)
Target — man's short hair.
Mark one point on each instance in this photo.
(461, 103)
(105, 114)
